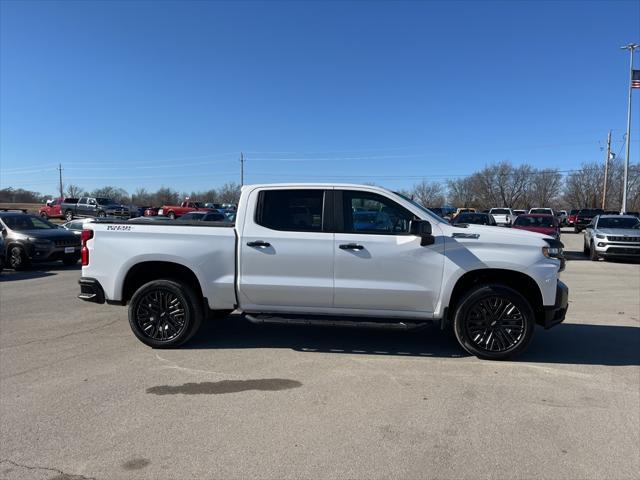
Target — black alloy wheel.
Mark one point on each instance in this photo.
(494, 322)
(164, 313)
(17, 258)
(68, 215)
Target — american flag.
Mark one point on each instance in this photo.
(635, 79)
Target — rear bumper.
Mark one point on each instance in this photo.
(555, 314)
(91, 290)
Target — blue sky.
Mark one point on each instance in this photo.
(144, 94)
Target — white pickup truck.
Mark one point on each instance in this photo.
(318, 253)
(503, 216)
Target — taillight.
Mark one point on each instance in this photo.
(84, 252)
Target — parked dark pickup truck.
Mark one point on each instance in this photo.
(584, 217)
(94, 207)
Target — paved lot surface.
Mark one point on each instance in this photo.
(80, 397)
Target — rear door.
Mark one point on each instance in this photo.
(379, 266)
(286, 251)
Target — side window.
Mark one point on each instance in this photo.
(290, 210)
(371, 213)
(83, 200)
(92, 201)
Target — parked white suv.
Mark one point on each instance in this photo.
(612, 236)
(336, 263)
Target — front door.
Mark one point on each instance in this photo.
(378, 264)
(286, 252)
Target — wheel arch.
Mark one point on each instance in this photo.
(518, 281)
(147, 271)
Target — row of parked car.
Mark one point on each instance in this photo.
(98, 207)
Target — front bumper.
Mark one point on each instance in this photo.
(555, 314)
(605, 248)
(91, 290)
(38, 253)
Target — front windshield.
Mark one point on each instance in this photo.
(621, 222)
(429, 213)
(526, 221)
(22, 223)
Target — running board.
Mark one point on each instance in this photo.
(329, 321)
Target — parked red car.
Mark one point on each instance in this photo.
(52, 209)
(151, 211)
(175, 211)
(539, 223)
(571, 219)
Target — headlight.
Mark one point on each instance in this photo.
(552, 252)
(599, 235)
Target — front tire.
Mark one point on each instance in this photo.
(593, 255)
(18, 259)
(165, 313)
(172, 215)
(44, 215)
(101, 214)
(494, 322)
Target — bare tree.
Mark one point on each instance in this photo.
(545, 188)
(429, 194)
(74, 191)
(229, 193)
(462, 192)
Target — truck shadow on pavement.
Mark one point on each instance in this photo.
(567, 343)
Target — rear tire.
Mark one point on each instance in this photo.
(494, 322)
(44, 215)
(17, 258)
(68, 215)
(165, 313)
(172, 215)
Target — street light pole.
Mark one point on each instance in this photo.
(631, 47)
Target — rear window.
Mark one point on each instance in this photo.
(499, 211)
(527, 221)
(591, 211)
(290, 210)
(540, 210)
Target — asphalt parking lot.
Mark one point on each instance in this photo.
(80, 397)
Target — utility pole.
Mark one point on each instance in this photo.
(241, 169)
(60, 177)
(625, 186)
(606, 172)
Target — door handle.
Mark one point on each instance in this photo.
(259, 244)
(351, 246)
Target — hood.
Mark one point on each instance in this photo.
(543, 230)
(59, 233)
(620, 232)
(502, 235)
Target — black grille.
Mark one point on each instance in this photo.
(623, 239)
(623, 251)
(67, 242)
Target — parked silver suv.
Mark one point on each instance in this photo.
(612, 235)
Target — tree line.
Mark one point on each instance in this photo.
(496, 185)
(523, 187)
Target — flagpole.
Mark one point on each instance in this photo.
(625, 186)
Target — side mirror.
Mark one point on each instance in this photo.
(422, 229)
